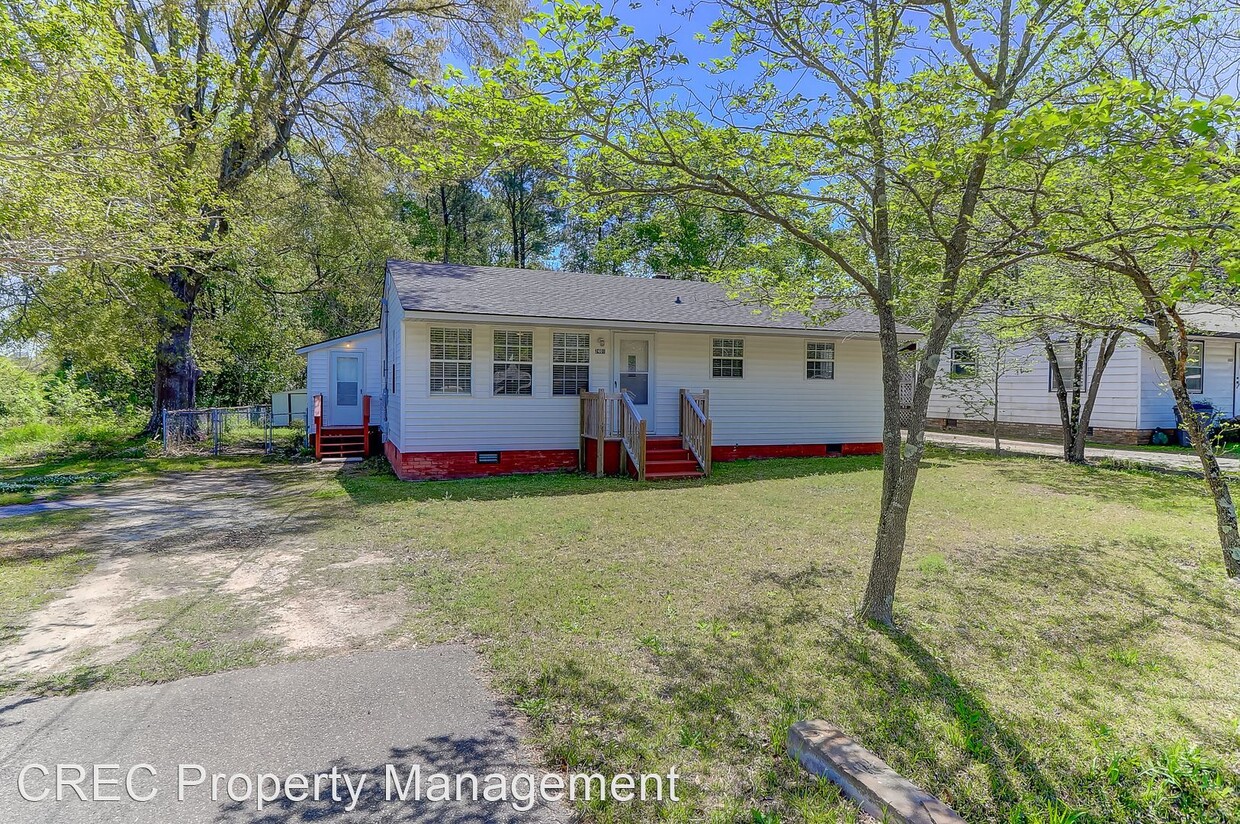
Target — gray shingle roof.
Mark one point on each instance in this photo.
(538, 293)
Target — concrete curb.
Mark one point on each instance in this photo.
(865, 778)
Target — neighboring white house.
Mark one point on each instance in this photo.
(480, 370)
(1133, 399)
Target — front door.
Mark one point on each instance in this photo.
(635, 373)
(345, 405)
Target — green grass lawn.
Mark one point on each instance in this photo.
(75, 457)
(1068, 644)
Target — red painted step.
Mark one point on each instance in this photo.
(668, 460)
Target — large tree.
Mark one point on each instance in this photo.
(869, 132)
(226, 88)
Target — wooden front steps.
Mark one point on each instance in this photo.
(342, 442)
(668, 460)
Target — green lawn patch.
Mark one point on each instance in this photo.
(1067, 646)
(27, 583)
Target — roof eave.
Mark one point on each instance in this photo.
(430, 314)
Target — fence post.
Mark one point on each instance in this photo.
(215, 432)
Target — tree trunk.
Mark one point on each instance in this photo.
(1106, 348)
(994, 414)
(447, 221)
(1224, 507)
(901, 462)
(176, 374)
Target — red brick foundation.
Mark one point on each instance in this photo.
(438, 466)
(1038, 431)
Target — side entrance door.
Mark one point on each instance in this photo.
(345, 403)
(634, 370)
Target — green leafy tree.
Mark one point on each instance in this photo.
(206, 97)
(870, 133)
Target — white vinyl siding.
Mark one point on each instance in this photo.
(774, 404)
(1023, 395)
(1218, 383)
(318, 373)
(394, 379)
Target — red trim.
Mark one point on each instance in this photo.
(437, 466)
(611, 456)
(862, 449)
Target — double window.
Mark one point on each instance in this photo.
(451, 361)
(570, 363)
(514, 363)
(727, 358)
(820, 361)
(1194, 376)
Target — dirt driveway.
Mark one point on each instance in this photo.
(198, 566)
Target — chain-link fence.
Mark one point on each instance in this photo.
(233, 430)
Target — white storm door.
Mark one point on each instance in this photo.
(345, 405)
(634, 370)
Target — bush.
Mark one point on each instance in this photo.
(21, 395)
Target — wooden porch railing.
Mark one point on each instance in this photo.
(365, 426)
(600, 421)
(633, 434)
(695, 426)
(318, 427)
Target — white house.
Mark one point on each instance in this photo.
(1133, 398)
(480, 370)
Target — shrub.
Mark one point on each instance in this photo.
(21, 394)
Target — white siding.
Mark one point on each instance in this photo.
(1218, 384)
(773, 404)
(318, 367)
(1025, 395)
(393, 330)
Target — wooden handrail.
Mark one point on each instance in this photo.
(633, 434)
(365, 426)
(318, 427)
(696, 427)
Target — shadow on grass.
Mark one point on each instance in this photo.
(374, 482)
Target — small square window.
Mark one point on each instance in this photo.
(727, 358)
(820, 361)
(963, 362)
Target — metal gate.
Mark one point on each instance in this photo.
(229, 430)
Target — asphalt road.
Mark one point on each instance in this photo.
(357, 714)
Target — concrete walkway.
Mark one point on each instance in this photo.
(1183, 461)
(355, 714)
